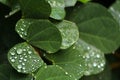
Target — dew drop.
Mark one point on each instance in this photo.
(87, 73)
(12, 60)
(19, 51)
(23, 64)
(29, 52)
(19, 66)
(66, 72)
(19, 70)
(15, 57)
(12, 53)
(94, 64)
(98, 56)
(25, 59)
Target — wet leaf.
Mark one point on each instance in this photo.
(69, 32)
(58, 11)
(22, 27)
(80, 59)
(44, 35)
(35, 9)
(53, 72)
(24, 58)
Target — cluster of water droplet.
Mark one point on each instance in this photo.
(69, 32)
(22, 26)
(23, 58)
(93, 58)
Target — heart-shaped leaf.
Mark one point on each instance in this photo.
(80, 59)
(101, 32)
(53, 72)
(35, 9)
(97, 29)
(24, 58)
(69, 3)
(22, 27)
(58, 11)
(43, 34)
(69, 32)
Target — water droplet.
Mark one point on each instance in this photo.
(19, 66)
(25, 59)
(66, 72)
(19, 51)
(19, 70)
(87, 73)
(20, 60)
(25, 56)
(12, 60)
(23, 64)
(29, 52)
(12, 53)
(94, 64)
(15, 57)
(23, 68)
(88, 48)
(98, 56)
(102, 64)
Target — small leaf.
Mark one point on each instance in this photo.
(80, 59)
(22, 27)
(69, 3)
(35, 9)
(115, 11)
(53, 72)
(58, 11)
(69, 32)
(24, 58)
(44, 35)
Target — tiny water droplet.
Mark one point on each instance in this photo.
(94, 64)
(19, 66)
(19, 70)
(25, 59)
(12, 53)
(23, 64)
(15, 57)
(12, 60)
(98, 56)
(66, 72)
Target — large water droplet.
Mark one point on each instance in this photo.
(29, 52)
(19, 51)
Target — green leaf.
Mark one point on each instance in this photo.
(69, 32)
(84, 1)
(35, 9)
(53, 72)
(99, 29)
(88, 11)
(69, 3)
(103, 33)
(24, 58)
(115, 11)
(80, 59)
(58, 11)
(44, 35)
(22, 27)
